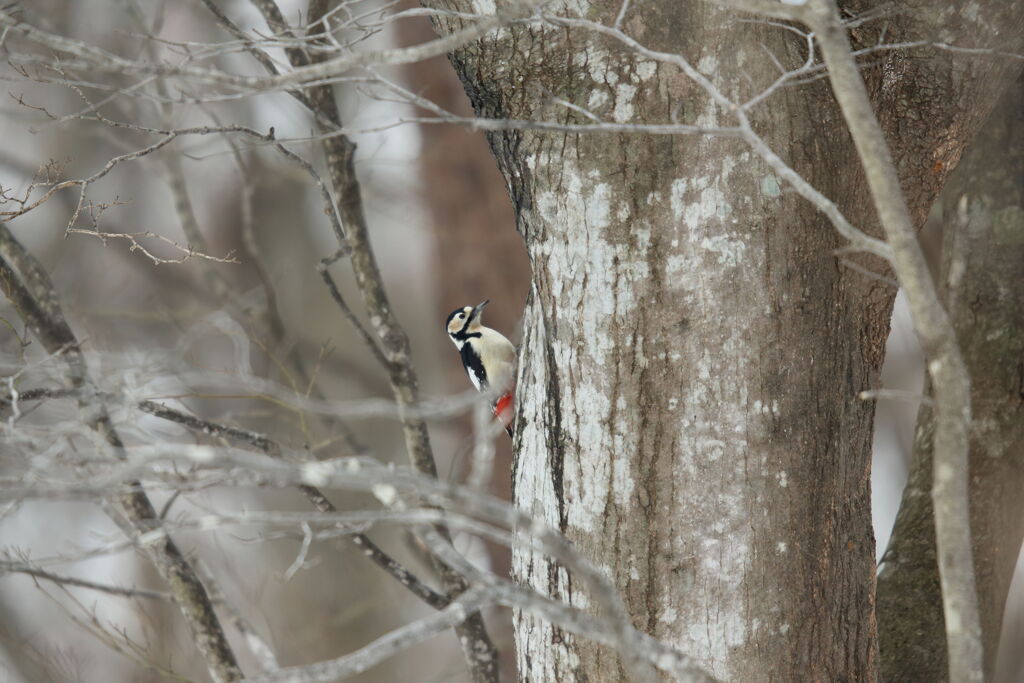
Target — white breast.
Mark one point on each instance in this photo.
(499, 357)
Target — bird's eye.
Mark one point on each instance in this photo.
(462, 315)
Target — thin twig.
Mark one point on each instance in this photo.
(480, 653)
(28, 286)
(265, 445)
(88, 57)
(11, 568)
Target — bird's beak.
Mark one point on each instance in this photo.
(480, 308)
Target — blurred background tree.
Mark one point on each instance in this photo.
(195, 318)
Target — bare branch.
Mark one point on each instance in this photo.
(385, 646)
(938, 340)
(93, 58)
(29, 288)
(613, 627)
(480, 653)
(264, 445)
(857, 238)
(28, 570)
(134, 238)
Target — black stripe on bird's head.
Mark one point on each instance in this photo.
(463, 322)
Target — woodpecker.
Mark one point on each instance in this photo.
(488, 357)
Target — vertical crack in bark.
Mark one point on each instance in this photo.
(553, 428)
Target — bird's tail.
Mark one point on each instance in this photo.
(503, 411)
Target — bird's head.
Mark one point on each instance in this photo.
(463, 322)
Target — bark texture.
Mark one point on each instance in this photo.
(982, 272)
(692, 347)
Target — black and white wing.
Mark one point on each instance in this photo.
(474, 367)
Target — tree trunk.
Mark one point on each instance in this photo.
(983, 270)
(693, 350)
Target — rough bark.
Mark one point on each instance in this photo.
(983, 269)
(947, 370)
(692, 349)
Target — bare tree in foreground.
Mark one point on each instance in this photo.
(981, 215)
(713, 214)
